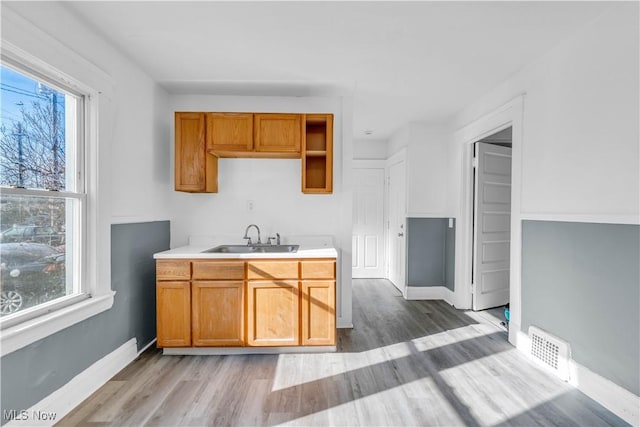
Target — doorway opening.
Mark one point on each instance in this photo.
(491, 226)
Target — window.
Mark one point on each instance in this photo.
(42, 202)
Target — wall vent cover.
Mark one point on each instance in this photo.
(550, 351)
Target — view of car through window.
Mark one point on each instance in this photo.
(36, 159)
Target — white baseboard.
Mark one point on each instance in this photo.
(429, 293)
(618, 400)
(58, 404)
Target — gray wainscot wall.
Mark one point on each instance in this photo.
(430, 252)
(33, 372)
(581, 283)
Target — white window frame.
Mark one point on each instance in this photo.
(71, 71)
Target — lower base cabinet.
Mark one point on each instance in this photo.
(318, 317)
(217, 308)
(173, 305)
(273, 313)
(233, 303)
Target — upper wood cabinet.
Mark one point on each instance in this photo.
(203, 137)
(317, 154)
(229, 132)
(195, 170)
(277, 133)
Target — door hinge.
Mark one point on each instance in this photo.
(474, 162)
(473, 289)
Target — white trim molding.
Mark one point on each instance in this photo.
(510, 114)
(618, 400)
(25, 333)
(414, 293)
(62, 401)
(584, 218)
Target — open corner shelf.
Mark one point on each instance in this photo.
(317, 154)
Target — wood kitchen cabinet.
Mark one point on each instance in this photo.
(217, 313)
(273, 313)
(201, 138)
(317, 154)
(229, 132)
(318, 302)
(217, 303)
(273, 303)
(196, 171)
(277, 133)
(173, 305)
(258, 302)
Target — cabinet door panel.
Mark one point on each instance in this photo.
(173, 303)
(318, 269)
(173, 269)
(217, 310)
(272, 270)
(277, 133)
(190, 152)
(216, 270)
(318, 321)
(230, 131)
(273, 313)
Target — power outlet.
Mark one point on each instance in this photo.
(250, 205)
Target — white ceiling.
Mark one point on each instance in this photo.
(408, 61)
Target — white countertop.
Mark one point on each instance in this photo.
(310, 247)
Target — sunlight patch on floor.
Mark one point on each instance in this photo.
(290, 371)
(485, 393)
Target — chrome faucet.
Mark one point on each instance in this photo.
(277, 239)
(246, 234)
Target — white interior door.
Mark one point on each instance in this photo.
(492, 226)
(396, 225)
(368, 223)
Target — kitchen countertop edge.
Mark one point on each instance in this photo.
(196, 252)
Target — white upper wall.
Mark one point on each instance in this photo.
(426, 154)
(370, 149)
(581, 127)
(133, 113)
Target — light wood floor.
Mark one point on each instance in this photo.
(406, 363)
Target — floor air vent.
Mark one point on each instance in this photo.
(550, 351)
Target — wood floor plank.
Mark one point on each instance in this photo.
(404, 363)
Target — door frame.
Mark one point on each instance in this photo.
(378, 164)
(510, 114)
(399, 157)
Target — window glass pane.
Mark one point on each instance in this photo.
(36, 251)
(37, 133)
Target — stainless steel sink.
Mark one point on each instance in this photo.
(278, 248)
(244, 249)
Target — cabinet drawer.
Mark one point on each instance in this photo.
(272, 270)
(218, 270)
(319, 269)
(173, 269)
